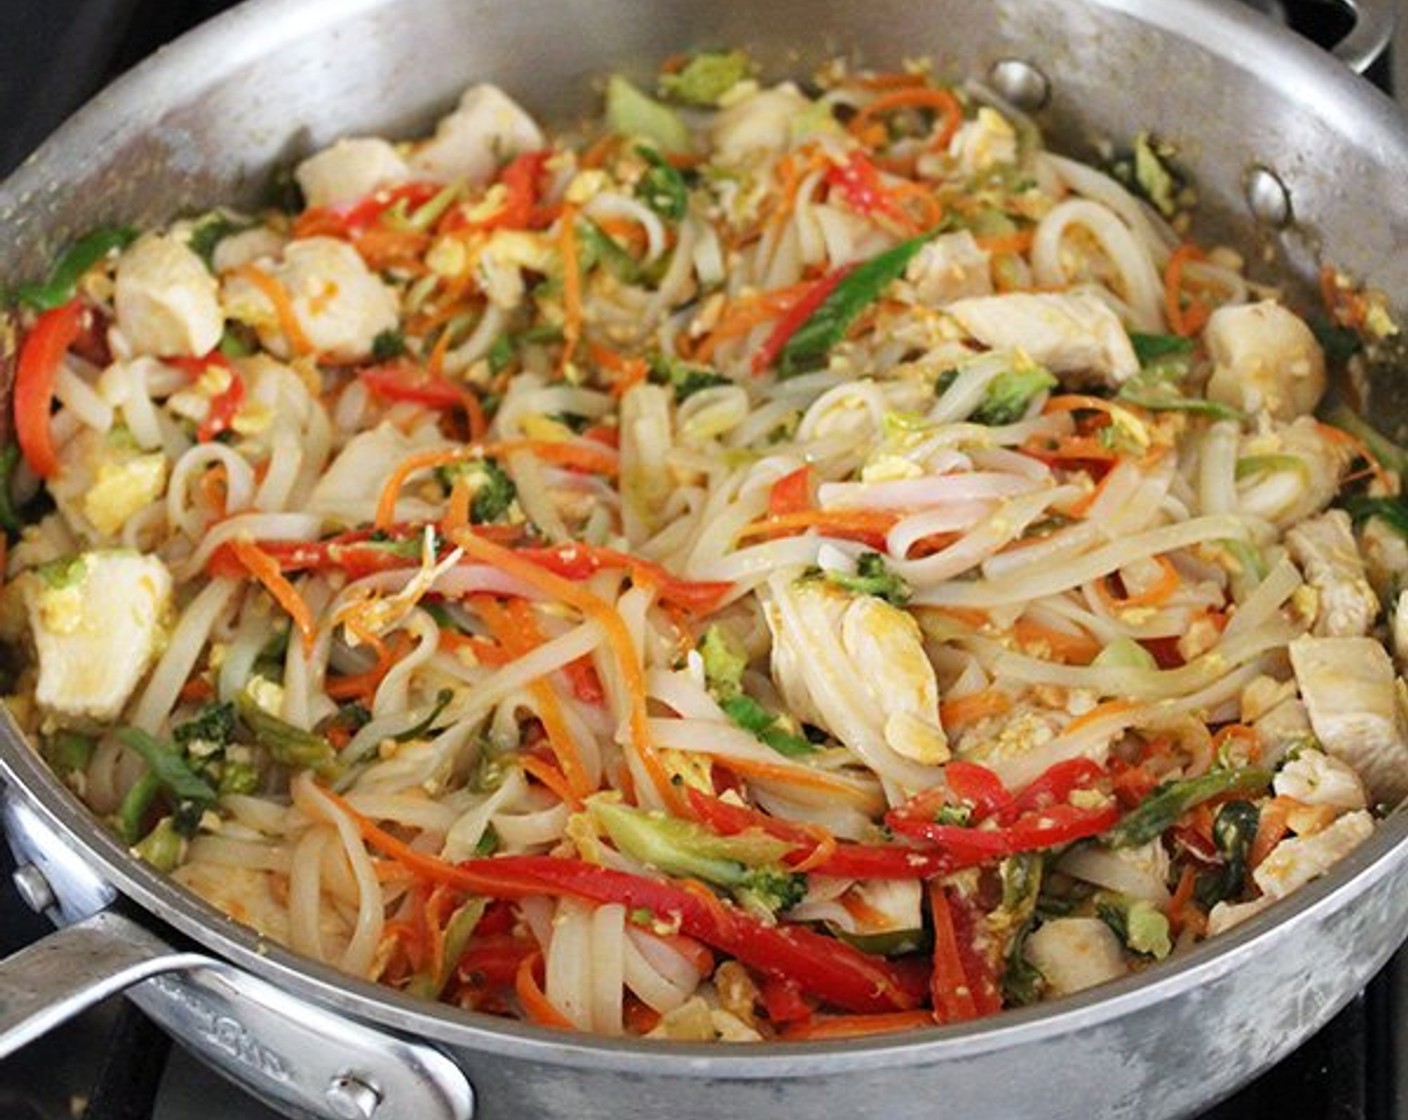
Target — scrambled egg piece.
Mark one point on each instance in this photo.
(97, 627)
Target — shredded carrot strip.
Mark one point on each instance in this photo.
(1018, 242)
(973, 617)
(826, 845)
(214, 488)
(1077, 649)
(550, 776)
(1083, 402)
(581, 455)
(1179, 321)
(599, 151)
(1360, 450)
(536, 1005)
(196, 690)
(265, 569)
(1158, 592)
(741, 315)
(921, 97)
(619, 638)
(486, 652)
(1240, 731)
(1100, 711)
(856, 1026)
(803, 776)
(954, 714)
(435, 364)
(277, 295)
(571, 283)
(457, 511)
(1272, 826)
(420, 461)
(1182, 912)
(837, 521)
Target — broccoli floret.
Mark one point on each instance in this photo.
(873, 577)
(388, 344)
(214, 724)
(746, 864)
(493, 490)
(706, 77)
(770, 890)
(1010, 393)
(1141, 925)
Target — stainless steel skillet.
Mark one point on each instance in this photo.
(1287, 146)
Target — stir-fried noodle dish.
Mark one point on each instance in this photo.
(768, 562)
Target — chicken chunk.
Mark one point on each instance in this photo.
(856, 665)
(985, 141)
(761, 123)
(339, 304)
(1071, 333)
(352, 168)
(166, 300)
(1298, 860)
(949, 268)
(1281, 728)
(488, 128)
(1385, 553)
(1325, 550)
(1284, 497)
(1317, 778)
(350, 485)
(1264, 357)
(97, 625)
(1399, 630)
(1348, 688)
(1075, 953)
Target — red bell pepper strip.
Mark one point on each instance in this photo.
(349, 219)
(521, 209)
(858, 182)
(492, 961)
(577, 561)
(792, 493)
(796, 315)
(782, 1000)
(45, 345)
(1048, 828)
(830, 970)
(224, 405)
(978, 786)
(963, 986)
(1053, 787)
(400, 381)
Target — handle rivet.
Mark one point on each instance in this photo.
(352, 1097)
(1021, 83)
(34, 888)
(1268, 198)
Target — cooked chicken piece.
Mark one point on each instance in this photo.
(1072, 333)
(1348, 688)
(949, 268)
(1225, 915)
(1264, 358)
(1298, 860)
(856, 666)
(1285, 726)
(167, 301)
(1385, 553)
(97, 622)
(762, 122)
(1075, 953)
(487, 129)
(1317, 778)
(351, 169)
(1399, 628)
(340, 305)
(350, 485)
(1325, 550)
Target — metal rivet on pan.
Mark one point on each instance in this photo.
(1020, 83)
(34, 888)
(352, 1098)
(1268, 198)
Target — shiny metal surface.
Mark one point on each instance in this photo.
(207, 119)
(1374, 23)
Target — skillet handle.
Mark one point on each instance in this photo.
(51, 981)
(1374, 25)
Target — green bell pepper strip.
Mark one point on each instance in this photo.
(84, 254)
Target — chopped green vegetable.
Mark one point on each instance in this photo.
(238, 341)
(1233, 832)
(629, 112)
(66, 572)
(747, 864)
(1393, 512)
(1124, 653)
(494, 494)
(1157, 393)
(68, 750)
(458, 930)
(685, 379)
(599, 247)
(706, 77)
(500, 354)
(169, 765)
(662, 187)
(286, 744)
(768, 728)
(1339, 343)
(215, 724)
(1011, 393)
(132, 813)
(161, 847)
(1141, 925)
(1160, 349)
(63, 280)
(1251, 465)
(1146, 172)
(419, 731)
(826, 326)
(872, 577)
(1170, 801)
(210, 231)
(401, 217)
(1021, 875)
(9, 516)
(388, 344)
(488, 841)
(724, 661)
